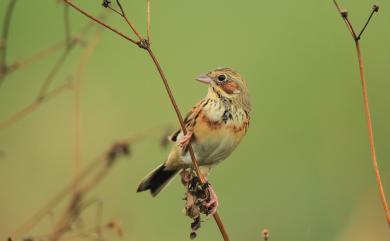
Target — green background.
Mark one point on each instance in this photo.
(303, 171)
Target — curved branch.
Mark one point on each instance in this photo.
(144, 44)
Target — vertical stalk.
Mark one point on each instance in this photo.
(367, 114)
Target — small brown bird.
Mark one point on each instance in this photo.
(215, 127)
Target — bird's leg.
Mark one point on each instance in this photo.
(183, 143)
(212, 204)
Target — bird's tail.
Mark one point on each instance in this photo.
(156, 180)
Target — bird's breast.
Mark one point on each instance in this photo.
(218, 130)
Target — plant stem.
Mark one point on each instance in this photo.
(144, 44)
(367, 113)
(4, 40)
(67, 26)
(371, 133)
(53, 72)
(34, 105)
(177, 111)
(100, 22)
(148, 33)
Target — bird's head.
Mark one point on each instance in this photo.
(226, 83)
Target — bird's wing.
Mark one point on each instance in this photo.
(190, 119)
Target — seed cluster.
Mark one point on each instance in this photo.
(196, 197)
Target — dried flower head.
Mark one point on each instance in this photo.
(106, 3)
(120, 148)
(192, 235)
(197, 196)
(375, 8)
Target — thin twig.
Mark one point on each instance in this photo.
(100, 22)
(76, 104)
(70, 45)
(344, 15)
(113, 9)
(53, 72)
(144, 44)
(24, 62)
(17, 65)
(67, 26)
(34, 105)
(195, 165)
(98, 167)
(4, 39)
(148, 32)
(177, 111)
(375, 9)
(37, 217)
(367, 112)
(43, 93)
(128, 20)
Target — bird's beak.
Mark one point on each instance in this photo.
(203, 78)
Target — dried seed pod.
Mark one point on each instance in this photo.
(185, 177)
(196, 224)
(192, 210)
(106, 3)
(192, 235)
(197, 198)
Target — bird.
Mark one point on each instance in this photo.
(215, 126)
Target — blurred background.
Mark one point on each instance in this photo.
(303, 171)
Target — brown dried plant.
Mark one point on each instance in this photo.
(4, 39)
(357, 37)
(84, 179)
(145, 44)
(44, 94)
(197, 197)
(78, 190)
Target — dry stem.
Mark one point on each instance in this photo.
(67, 26)
(148, 32)
(356, 38)
(35, 104)
(4, 40)
(89, 177)
(17, 65)
(43, 94)
(24, 62)
(77, 108)
(144, 44)
(53, 72)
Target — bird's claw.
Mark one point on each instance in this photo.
(183, 143)
(213, 204)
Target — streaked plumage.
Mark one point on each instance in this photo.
(215, 127)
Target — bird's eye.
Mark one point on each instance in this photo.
(222, 77)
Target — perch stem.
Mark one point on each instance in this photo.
(144, 44)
